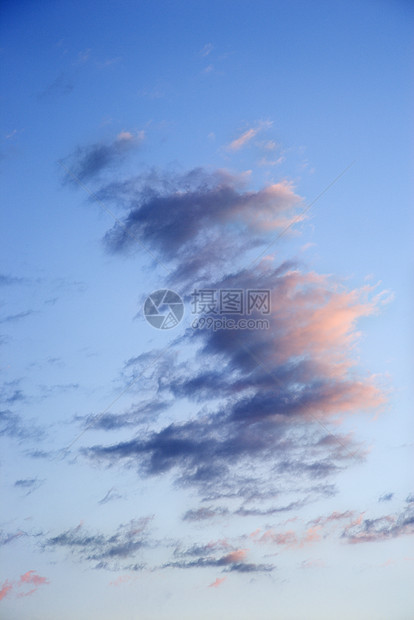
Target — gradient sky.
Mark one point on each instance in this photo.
(192, 473)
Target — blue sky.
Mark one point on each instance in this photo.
(192, 471)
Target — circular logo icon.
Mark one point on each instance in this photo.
(164, 309)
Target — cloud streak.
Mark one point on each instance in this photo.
(247, 136)
(88, 162)
(27, 585)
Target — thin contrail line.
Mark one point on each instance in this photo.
(301, 214)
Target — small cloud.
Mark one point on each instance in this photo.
(84, 56)
(312, 564)
(217, 582)
(11, 318)
(121, 580)
(264, 161)
(9, 280)
(386, 497)
(62, 85)
(125, 135)
(29, 579)
(5, 589)
(89, 161)
(28, 484)
(248, 135)
(208, 69)
(207, 49)
(111, 495)
(152, 93)
(109, 63)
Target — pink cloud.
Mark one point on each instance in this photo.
(284, 538)
(246, 136)
(235, 556)
(217, 582)
(33, 579)
(121, 580)
(5, 589)
(312, 564)
(237, 144)
(27, 579)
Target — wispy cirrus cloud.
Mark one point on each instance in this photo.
(247, 136)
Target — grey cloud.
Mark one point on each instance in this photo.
(11, 318)
(106, 550)
(9, 280)
(87, 162)
(137, 415)
(110, 496)
(382, 528)
(264, 398)
(386, 497)
(28, 484)
(197, 220)
(11, 425)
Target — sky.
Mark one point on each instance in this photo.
(205, 303)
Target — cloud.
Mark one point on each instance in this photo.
(204, 513)
(312, 564)
(5, 589)
(28, 484)
(6, 538)
(10, 393)
(386, 497)
(206, 557)
(11, 425)
(247, 136)
(9, 280)
(207, 49)
(106, 551)
(257, 413)
(197, 221)
(11, 318)
(87, 162)
(110, 496)
(122, 579)
(382, 528)
(147, 411)
(20, 587)
(217, 582)
(278, 390)
(62, 85)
